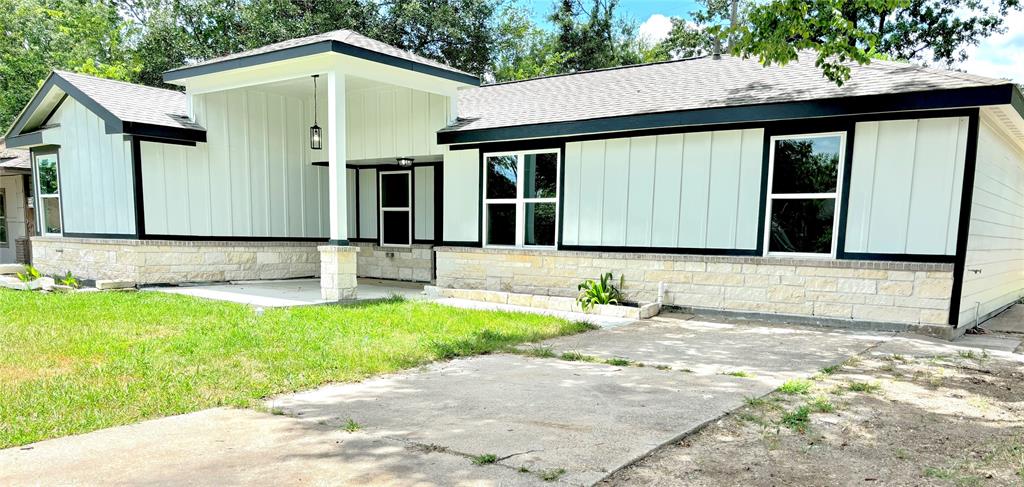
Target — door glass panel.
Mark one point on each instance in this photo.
(502, 177)
(394, 190)
(540, 224)
(395, 228)
(806, 165)
(47, 175)
(540, 174)
(51, 210)
(802, 225)
(501, 224)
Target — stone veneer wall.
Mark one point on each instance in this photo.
(869, 291)
(414, 263)
(172, 261)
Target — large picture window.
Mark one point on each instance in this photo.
(521, 198)
(48, 185)
(395, 208)
(803, 194)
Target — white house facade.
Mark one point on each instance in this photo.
(710, 184)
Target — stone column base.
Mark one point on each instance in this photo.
(337, 272)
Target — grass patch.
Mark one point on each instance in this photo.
(73, 363)
(795, 386)
(739, 373)
(551, 475)
(351, 426)
(619, 362)
(576, 357)
(485, 459)
(821, 405)
(540, 352)
(831, 369)
(798, 419)
(865, 387)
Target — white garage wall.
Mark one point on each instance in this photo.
(995, 243)
(96, 187)
(905, 186)
(695, 190)
(461, 196)
(254, 176)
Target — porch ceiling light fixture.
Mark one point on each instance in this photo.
(315, 134)
(404, 161)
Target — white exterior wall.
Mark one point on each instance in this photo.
(905, 186)
(14, 196)
(367, 203)
(461, 196)
(995, 244)
(390, 121)
(253, 177)
(695, 190)
(423, 203)
(96, 186)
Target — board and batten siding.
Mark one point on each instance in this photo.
(461, 196)
(423, 202)
(994, 266)
(389, 122)
(97, 193)
(253, 178)
(905, 186)
(698, 190)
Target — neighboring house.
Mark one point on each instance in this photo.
(16, 223)
(714, 183)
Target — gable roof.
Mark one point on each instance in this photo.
(14, 160)
(124, 107)
(702, 88)
(340, 41)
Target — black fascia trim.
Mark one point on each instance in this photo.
(163, 133)
(964, 221)
(187, 143)
(138, 197)
(660, 250)
(833, 107)
(232, 238)
(329, 45)
(923, 258)
(362, 240)
(112, 236)
(460, 243)
(24, 140)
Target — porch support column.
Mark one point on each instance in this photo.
(337, 258)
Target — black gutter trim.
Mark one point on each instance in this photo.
(329, 45)
(24, 140)
(233, 238)
(660, 250)
(187, 143)
(112, 236)
(923, 258)
(964, 222)
(707, 117)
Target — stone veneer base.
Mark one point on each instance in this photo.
(838, 291)
(174, 261)
(338, 272)
(557, 303)
(414, 263)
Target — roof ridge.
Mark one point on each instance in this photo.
(596, 70)
(118, 81)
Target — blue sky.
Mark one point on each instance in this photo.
(1001, 56)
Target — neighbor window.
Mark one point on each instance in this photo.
(47, 183)
(396, 208)
(521, 198)
(803, 194)
(3, 218)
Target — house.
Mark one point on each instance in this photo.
(709, 183)
(16, 214)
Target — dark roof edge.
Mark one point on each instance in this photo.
(765, 112)
(328, 45)
(24, 140)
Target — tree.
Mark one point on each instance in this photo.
(845, 31)
(595, 37)
(707, 31)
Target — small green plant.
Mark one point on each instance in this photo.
(831, 369)
(351, 426)
(795, 386)
(602, 292)
(540, 352)
(30, 274)
(663, 367)
(739, 373)
(70, 280)
(277, 411)
(938, 473)
(485, 459)
(524, 469)
(797, 419)
(619, 362)
(865, 387)
(821, 405)
(755, 402)
(552, 475)
(576, 357)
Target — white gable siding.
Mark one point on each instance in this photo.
(695, 190)
(905, 186)
(96, 186)
(995, 244)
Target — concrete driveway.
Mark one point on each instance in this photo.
(568, 422)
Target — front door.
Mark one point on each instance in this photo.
(395, 208)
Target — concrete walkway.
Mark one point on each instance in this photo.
(1009, 321)
(541, 417)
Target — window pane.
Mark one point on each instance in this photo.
(809, 165)
(540, 224)
(502, 176)
(394, 190)
(3, 230)
(51, 209)
(501, 224)
(395, 228)
(47, 176)
(802, 226)
(540, 170)
(3, 205)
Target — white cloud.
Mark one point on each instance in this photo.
(656, 28)
(1000, 56)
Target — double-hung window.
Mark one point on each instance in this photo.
(521, 198)
(395, 208)
(47, 183)
(804, 194)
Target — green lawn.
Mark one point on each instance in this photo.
(79, 362)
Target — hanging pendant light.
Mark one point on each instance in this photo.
(315, 134)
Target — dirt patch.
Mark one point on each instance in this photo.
(881, 420)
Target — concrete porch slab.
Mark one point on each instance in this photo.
(1009, 321)
(289, 292)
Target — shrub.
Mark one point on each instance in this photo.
(602, 292)
(30, 274)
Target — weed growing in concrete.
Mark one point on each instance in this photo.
(351, 426)
(577, 357)
(485, 459)
(821, 405)
(540, 352)
(662, 367)
(277, 411)
(619, 362)
(687, 371)
(739, 373)
(797, 419)
(865, 387)
(795, 386)
(523, 469)
(552, 475)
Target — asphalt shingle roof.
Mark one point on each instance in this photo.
(343, 36)
(14, 158)
(134, 103)
(689, 84)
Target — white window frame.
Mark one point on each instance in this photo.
(41, 208)
(520, 201)
(3, 218)
(380, 206)
(835, 196)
